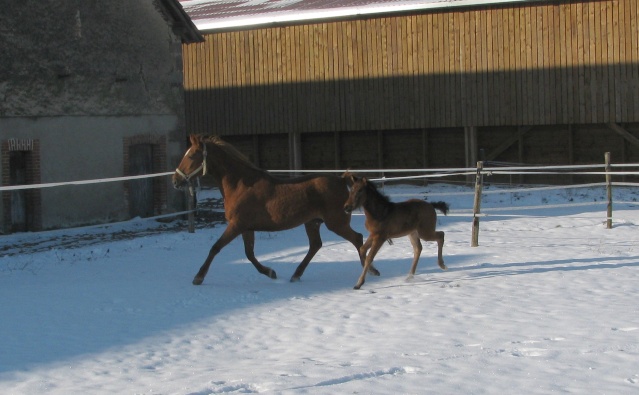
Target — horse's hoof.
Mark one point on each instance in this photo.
(295, 279)
(271, 274)
(198, 281)
(357, 287)
(374, 271)
(442, 266)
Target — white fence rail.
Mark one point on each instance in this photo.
(609, 171)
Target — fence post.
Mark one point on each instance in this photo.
(608, 191)
(477, 204)
(190, 196)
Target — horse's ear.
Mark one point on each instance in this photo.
(349, 177)
(365, 180)
(195, 139)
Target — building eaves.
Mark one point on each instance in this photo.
(229, 14)
(182, 25)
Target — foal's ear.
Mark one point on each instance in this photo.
(349, 177)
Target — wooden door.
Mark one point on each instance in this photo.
(141, 191)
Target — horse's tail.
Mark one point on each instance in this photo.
(441, 206)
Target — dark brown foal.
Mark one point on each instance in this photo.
(414, 218)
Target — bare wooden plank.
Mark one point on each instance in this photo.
(430, 87)
(394, 90)
(536, 67)
(629, 94)
(564, 53)
(604, 83)
(511, 70)
(473, 70)
(498, 66)
(445, 70)
(524, 62)
(555, 64)
(597, 62)
(574, 63)
(421, 64)
(587, 93)
(611, 55)
(617, 45)
(634, 27)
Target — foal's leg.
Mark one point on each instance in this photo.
(440, 247)
(376, 244)
(356, 239)
(439, 238)
(417, 250)
(314, 244)
(249, 247)
(230, 233)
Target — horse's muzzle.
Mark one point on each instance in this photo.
(179, 182)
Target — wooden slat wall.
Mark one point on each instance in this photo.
(558, 63)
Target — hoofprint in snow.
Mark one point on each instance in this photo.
(547, 303)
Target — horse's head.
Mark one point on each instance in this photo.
(193, 162)
(357, 193)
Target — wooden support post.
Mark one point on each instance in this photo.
(295, 151)
(470, 142)
(477, 204)
(608, 192)
(191, 199)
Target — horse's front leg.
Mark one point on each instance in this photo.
(249, 247)
(314, 244)
(230, 233)
(362, 256)
(375, 245)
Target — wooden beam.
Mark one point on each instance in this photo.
(624, 133)
(507, 143)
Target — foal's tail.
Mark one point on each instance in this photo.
(441, 206)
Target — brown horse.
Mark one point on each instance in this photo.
(254, 200)
(385, 220)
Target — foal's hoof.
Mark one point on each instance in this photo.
(198, 280)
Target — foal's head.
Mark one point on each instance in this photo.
(357, 194)
(193, 162)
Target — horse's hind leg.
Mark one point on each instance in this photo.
(417, 250)
(314, 244)
(439, 238)
(229, 234)
(249, 250)
(440, 247)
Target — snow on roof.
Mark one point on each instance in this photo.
(225, 14)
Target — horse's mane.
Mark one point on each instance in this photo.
(230, 150)
(379, 194)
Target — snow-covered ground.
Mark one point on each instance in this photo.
(548, 303)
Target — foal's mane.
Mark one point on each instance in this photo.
(230, 151)
(385, 199)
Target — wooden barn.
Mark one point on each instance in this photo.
(416, 84)
(90, 90)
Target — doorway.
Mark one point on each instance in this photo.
(141, 198)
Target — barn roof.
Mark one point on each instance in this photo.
(228, 14)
